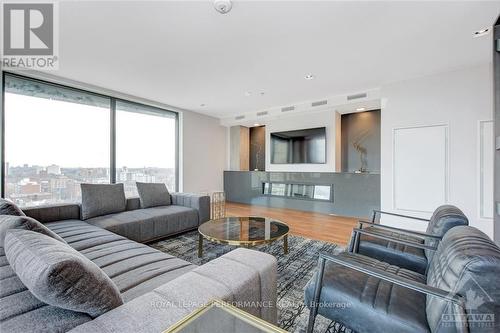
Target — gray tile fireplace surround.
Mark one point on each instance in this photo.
(352, 194)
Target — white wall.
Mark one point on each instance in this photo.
(204, 153)
(300, 121)
(442, 117)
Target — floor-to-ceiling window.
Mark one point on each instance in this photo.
(58, 137)
(146, 144)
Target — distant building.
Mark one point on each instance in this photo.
(54, 169)
(29, 188)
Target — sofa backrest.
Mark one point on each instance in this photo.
(133, 203)
(58, 212)
(53, 213)
(443, 219)
(467, 263)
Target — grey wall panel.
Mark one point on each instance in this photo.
(258, 148)
(354, 194)
(363, 128)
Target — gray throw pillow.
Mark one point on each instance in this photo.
(59, 275)
(8, 222)
(102, 199)
(9, 208)
(153, 194)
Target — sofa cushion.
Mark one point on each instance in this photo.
(143, 225)
(397, 254)
(58, 275)
(364, 303)
(102, 199)
(8, 222)
(153, 194)
(9, 208)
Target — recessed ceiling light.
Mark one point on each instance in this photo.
(309, 77)
(256, 124)
(223, 6)
(360, 109)
(248, 93)
(481, 33)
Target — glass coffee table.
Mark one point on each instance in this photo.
(243, 231)
(221, 317)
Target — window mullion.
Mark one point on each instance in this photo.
(112, 167)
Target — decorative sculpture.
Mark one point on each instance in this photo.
(361, 150)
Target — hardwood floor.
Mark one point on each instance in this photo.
(335, 229)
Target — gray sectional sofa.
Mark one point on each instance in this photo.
(186, 212)
(157, 289)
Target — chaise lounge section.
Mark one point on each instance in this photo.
(157, 289)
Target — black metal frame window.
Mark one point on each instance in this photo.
(87, 142)
(136, 151)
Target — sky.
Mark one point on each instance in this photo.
(41, 131)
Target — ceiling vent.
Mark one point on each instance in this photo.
(356, 96)
(319, 103)
(262, 113)
(287, 108)
(239, 117)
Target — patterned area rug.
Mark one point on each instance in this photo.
(294, 271)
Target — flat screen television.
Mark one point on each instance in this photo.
(299, 146)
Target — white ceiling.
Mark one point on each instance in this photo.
(185, 53)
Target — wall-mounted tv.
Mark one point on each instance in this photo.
(299, 146)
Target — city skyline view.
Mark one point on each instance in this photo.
(33, 185)
(57, 139)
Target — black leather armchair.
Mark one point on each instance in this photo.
(461, 292)
(403, 247)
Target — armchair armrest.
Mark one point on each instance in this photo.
(358, 232)
(396, 279)
(405, 231)
(196, 201)
(381, 212)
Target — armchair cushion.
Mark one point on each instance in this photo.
(401, 255)
(443, 219)
(467, 263)
(366, 304)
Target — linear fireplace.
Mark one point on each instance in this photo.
(298, 191)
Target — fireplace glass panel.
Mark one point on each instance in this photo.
(298, 191)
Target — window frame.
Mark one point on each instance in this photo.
(112, 129)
